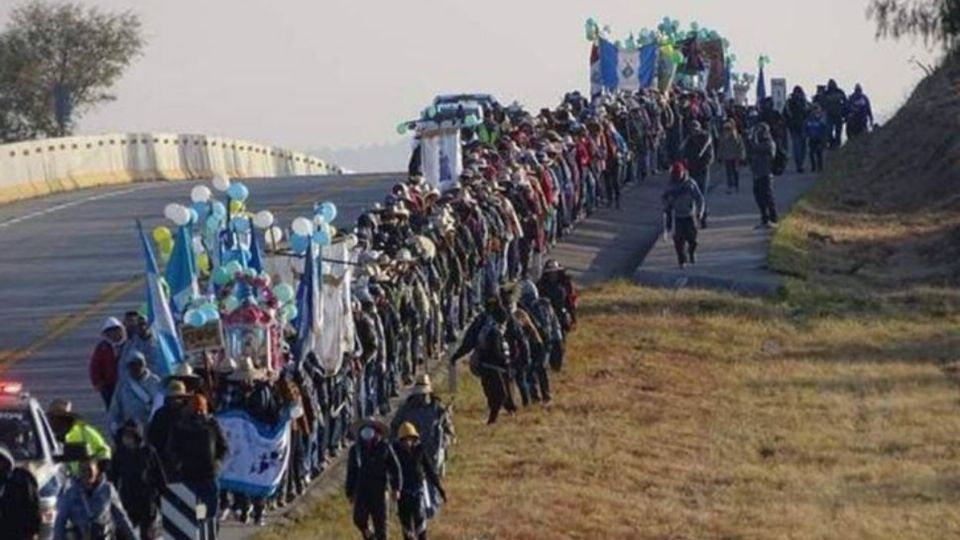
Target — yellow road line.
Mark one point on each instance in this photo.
(61, 326)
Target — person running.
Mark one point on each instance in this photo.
(417, 472)
(731, 152)
(105, 359)
(91, 508)
(763, 150)
(835, 105)
(683, 207)
(817, 135)
(19, 500)
(860, 113)
(371, 464)
(795, 114)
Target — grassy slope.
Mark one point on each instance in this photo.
(828, 413)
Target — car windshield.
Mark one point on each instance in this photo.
(19, 434)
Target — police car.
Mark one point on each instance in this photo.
(25, 431)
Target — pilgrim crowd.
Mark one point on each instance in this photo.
(452, 274)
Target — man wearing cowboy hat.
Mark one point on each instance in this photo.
(426, 412)
(106, 356)
(371, 464)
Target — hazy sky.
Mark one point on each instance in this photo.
(339, 73)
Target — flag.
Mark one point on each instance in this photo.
(259, 454)
(309, 310)
(159, 317)
(596, 80)
(181, 272)
(631, 70)
(761, 86)
(256, 252)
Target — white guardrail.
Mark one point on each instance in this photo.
(40, 167)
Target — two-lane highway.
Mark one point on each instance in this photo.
(70, 260)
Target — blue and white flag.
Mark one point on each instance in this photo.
(259, 454)
(626, 69)
(159, 317)
(309, 309)
(181, 272)
(256, 252)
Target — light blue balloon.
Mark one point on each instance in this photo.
(238, 191)
(209, 312)
(233, 268)
(194, 317)
(299, 244)
(329, 211)
(321, 237)
(241, 225)
(194, 216)
(231, 304)
(284, 293)
(219, 209)
(289, 312)
(202, 210)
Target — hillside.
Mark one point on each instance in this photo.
(884, 223)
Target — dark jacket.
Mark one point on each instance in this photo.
(684, 200)
(796, 113)
(369, 468)
(416, 468)
(194, 449)
(762, 153)
(138, 476)
(698, 152)
(19, 506)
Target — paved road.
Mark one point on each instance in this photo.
(70, 260)
(732, 253)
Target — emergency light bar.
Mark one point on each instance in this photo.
(11, 388)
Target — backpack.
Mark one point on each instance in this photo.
(487, 342)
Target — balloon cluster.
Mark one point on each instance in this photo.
(668, 35)
(201, 312)
(763, 61)
(318, 230)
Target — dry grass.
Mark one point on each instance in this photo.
(703, 415)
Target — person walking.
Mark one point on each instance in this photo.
(418, 476)
(817, 135)
(105, 359)
(860, 113)
(796, 113)
(731, 151)
(135, 395)
(485, 341)
(835, 105)
(138, 476)
(91, 509)
(763, 150)
(683, 207)
(69, 428)
(371, 465)
(19, 500)
(698, 154)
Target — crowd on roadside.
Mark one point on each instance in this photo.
(468, 267)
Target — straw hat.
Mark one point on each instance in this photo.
(177, 389)
(422, 386)
(246, 371)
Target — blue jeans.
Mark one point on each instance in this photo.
(798, 143)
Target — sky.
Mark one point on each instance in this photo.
(310, 74)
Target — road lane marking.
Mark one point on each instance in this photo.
(64, 206)
(63, 325)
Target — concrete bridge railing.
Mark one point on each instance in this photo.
(40, 167)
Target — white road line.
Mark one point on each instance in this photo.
(52, 209)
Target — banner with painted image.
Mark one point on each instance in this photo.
(258, 457)
(442, 157)
(715, 59)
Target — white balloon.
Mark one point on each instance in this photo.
(263, 219)
(303, 226)
(170, 211)
(274, 235)
(200, 194)
(221, 183)
(181, 215)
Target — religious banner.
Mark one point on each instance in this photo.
(258, 454)
(778, 91)
(442, 157)
(713, 56)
